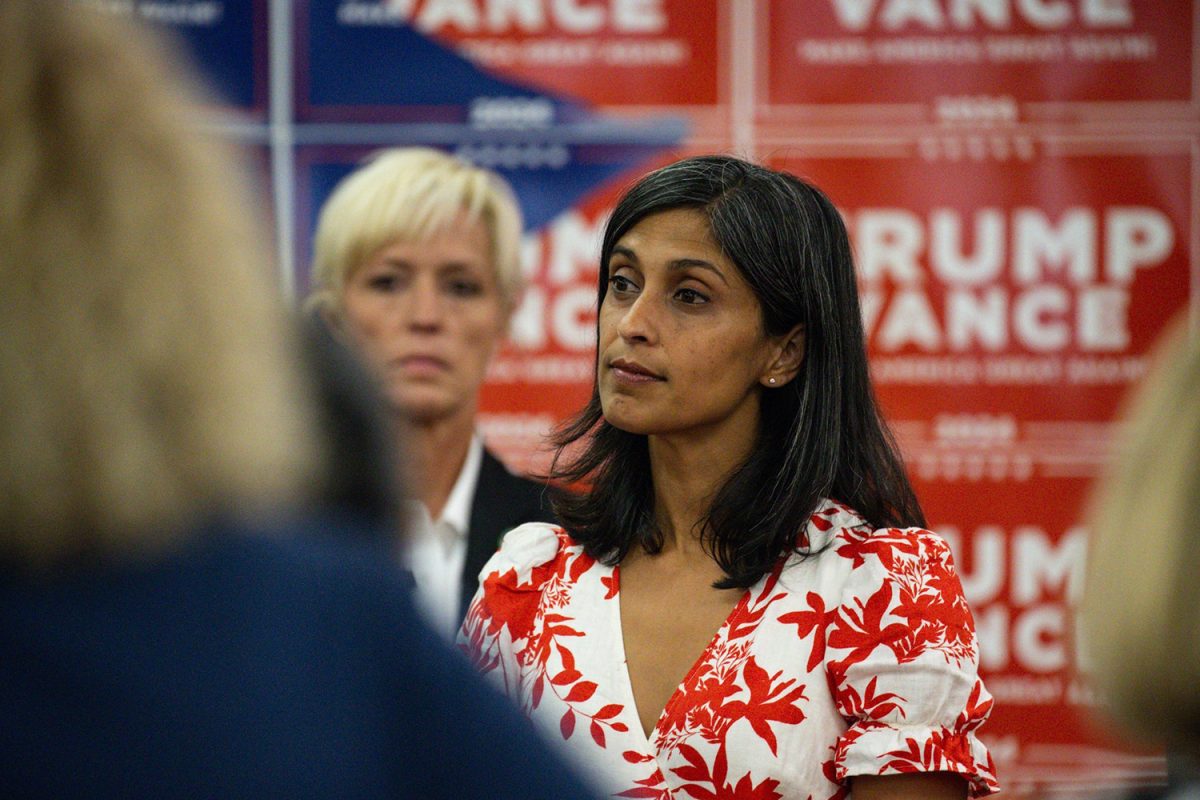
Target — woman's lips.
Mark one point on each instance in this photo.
(422, 365)
(632, 372)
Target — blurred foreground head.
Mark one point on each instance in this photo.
(1142, 615)
(147, 371)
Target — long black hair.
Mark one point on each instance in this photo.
(820, 435)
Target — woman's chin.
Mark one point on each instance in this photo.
(423, 408)
(628, 424)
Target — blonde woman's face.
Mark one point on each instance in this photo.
(428, 316)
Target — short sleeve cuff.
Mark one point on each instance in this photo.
(876, 748)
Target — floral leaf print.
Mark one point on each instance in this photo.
(597, 731)
(829, 770)
(696, 769)
(567, 657)
(976, 711)
(748, 615)
(566, 677)
(609, 711)
(646, 791)
(567, 724)
(808, 621)
(915, 758)
(580, 692)
(862, 631)
(886, 545)
(653, 786)
(507, 609)
(720, 766)
(869, 705)
(770, 701)
(579, 565)
(697, 774)
(746, 790)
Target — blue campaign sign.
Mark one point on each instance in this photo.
(359, 60)
(227, 39)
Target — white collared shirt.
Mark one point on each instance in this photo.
(437, 551)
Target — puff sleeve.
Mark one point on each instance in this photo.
(902, 661)
(502, 617)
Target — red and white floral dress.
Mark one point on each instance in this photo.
(860, 660)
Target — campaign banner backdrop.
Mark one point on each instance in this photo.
(226, 40)
(622, 53)
(1019, 179)
(503, 66)
(884, 52)
(1009, 307)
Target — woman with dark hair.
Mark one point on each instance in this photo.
(741, 481)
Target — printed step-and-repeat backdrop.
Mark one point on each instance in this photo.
(1019, 177)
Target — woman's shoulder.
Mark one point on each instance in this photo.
(529, 555)
(842, 532)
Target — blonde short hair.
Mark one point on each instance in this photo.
(148, 374)
(411, 194)
(1142, 609)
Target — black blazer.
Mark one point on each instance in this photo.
(502, 502)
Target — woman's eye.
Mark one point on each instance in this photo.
(465, 288)
(383, 283)
(691, 297)
(621, 285)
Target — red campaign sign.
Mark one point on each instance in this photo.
(617, 53)
(543, 372)
(1009, 307)
(905, 51)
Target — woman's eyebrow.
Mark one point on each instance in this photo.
(676, 264)
(622, 250)
(697, 263)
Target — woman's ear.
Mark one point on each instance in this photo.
(789, 356)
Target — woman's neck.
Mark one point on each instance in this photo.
(687, 472)
(435, 452)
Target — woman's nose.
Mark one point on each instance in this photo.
(638, 322)
(425, 308)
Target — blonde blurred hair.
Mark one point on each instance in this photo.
(1142, 605)
(411, 194)
(147, 370)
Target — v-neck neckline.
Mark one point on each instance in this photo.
(718, 636)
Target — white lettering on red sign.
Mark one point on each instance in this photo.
(533, 16)
(1017, 278)
(940, 15)
(559, 308)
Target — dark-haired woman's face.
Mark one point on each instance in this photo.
(682, 348)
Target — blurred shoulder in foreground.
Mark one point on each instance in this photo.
(1142, 609)
(186, 607)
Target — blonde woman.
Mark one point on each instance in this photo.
(171, 625)
(417, 264)
(1142, 608)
